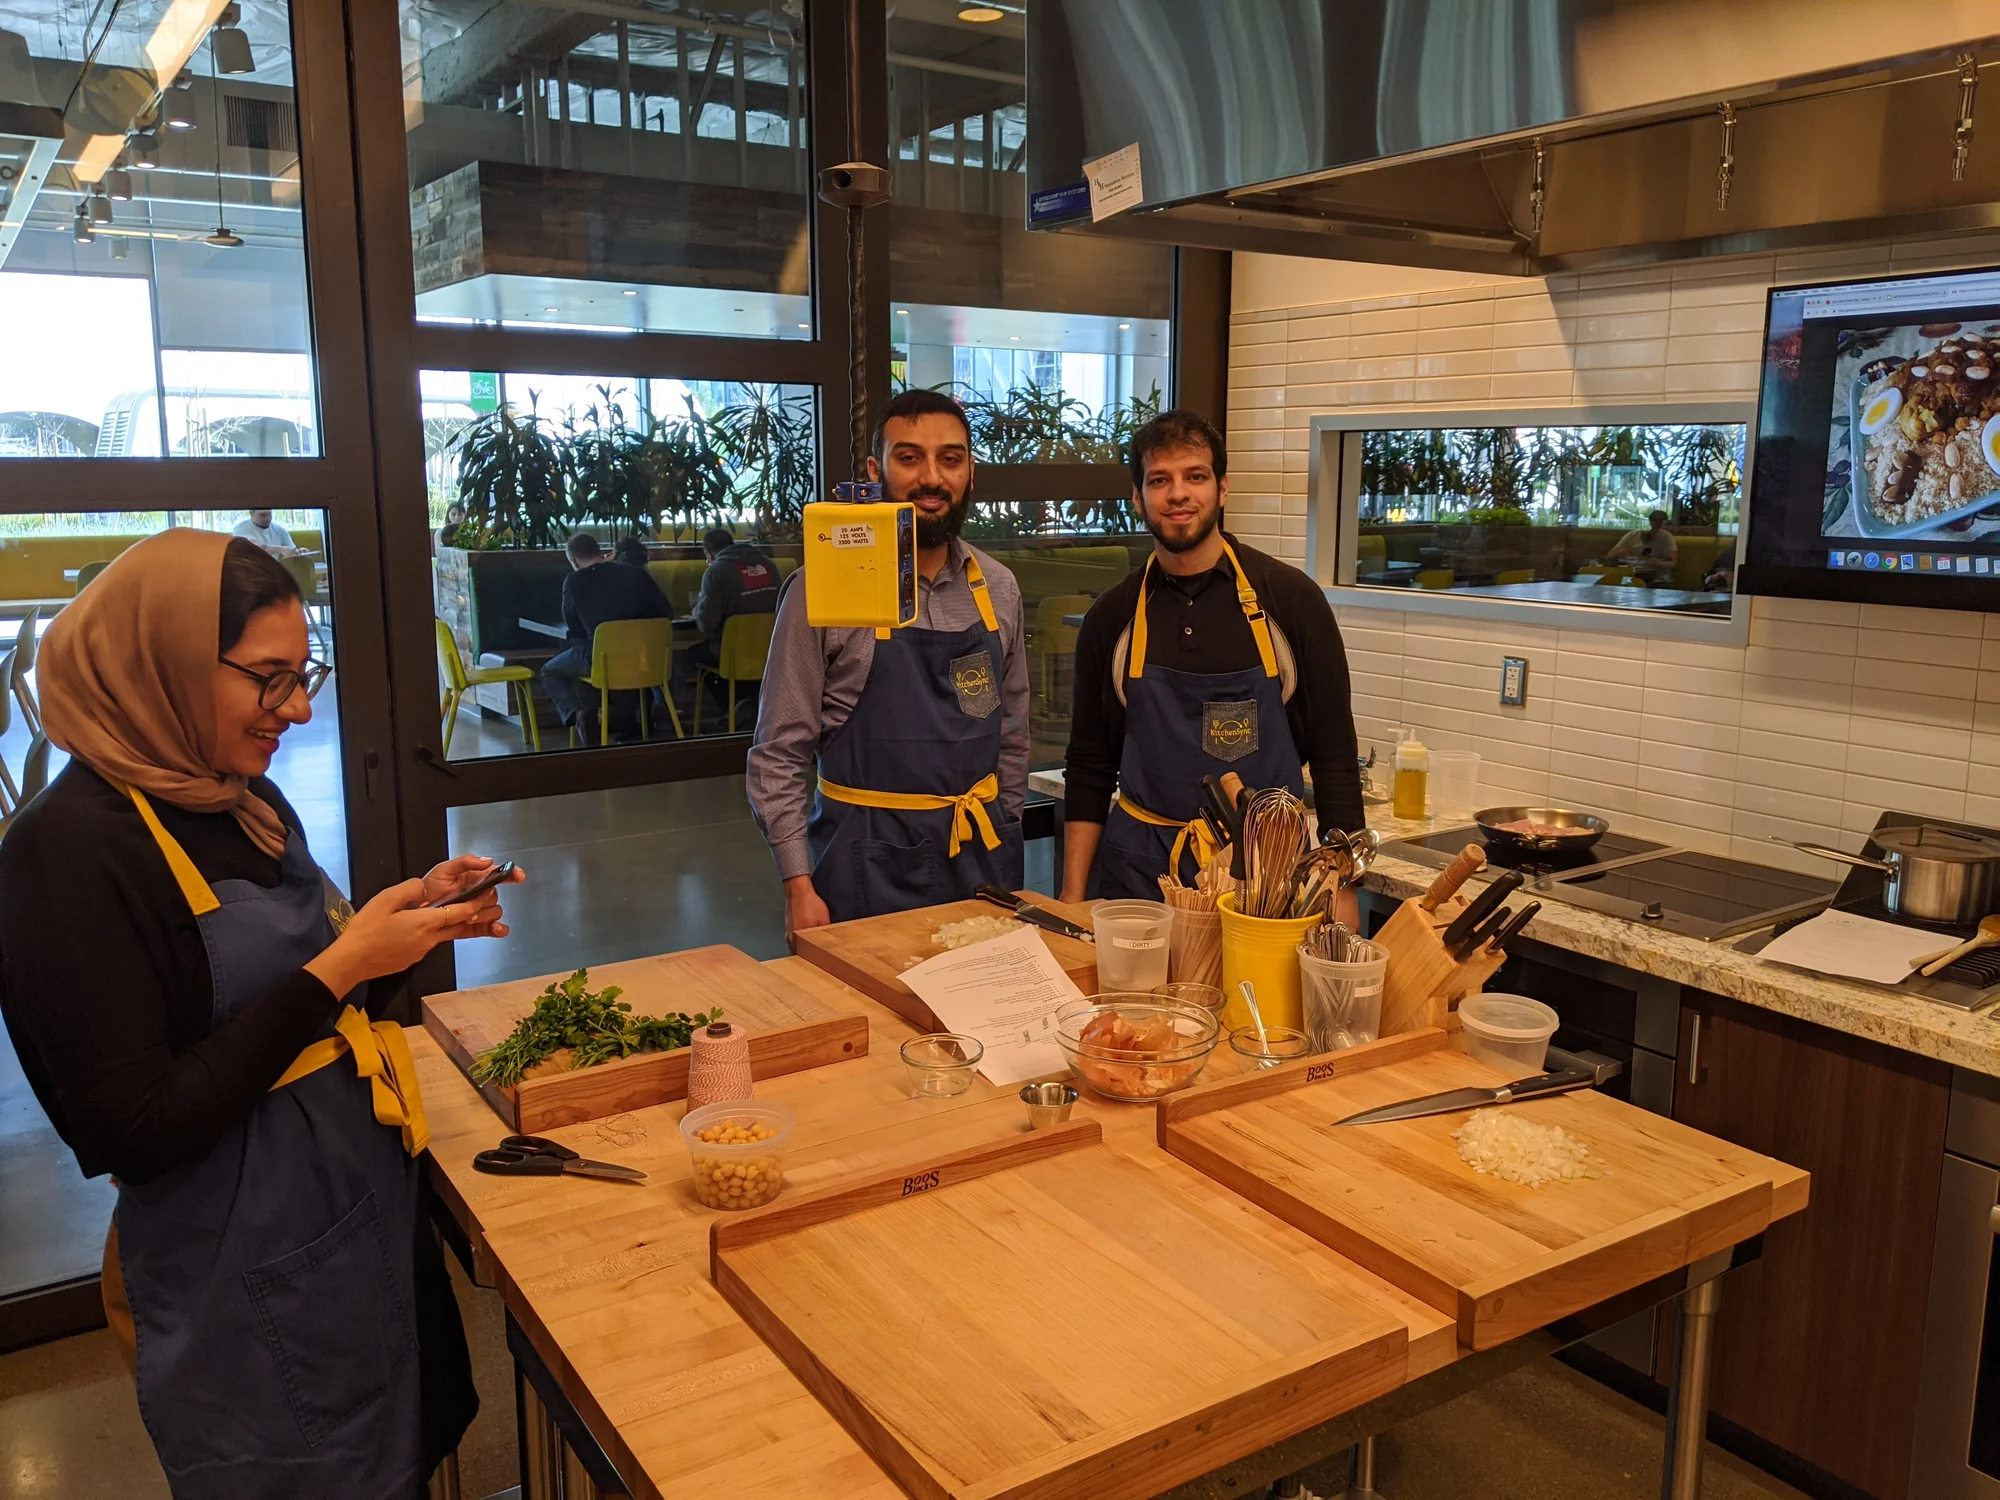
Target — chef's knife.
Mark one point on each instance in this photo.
(1452, 1100)
(1512, 925)
(1040, 916)
(1478, 937)
(1481, 907)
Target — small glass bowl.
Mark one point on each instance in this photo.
(1201, 996)
(1138, 1076)
(941, 1064)
(1279, 1044)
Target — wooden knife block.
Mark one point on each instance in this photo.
(1423, 984)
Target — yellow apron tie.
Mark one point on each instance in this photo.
(980, 597)
(381, 1052)
(968, 810)
(1195, 835)
(1260, 626)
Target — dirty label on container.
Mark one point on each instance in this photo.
(853, 534)
(923, 1182)
(1138, 945)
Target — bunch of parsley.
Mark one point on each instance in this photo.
(595, 1026)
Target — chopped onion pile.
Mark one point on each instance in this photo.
(973, 930)
(1504, 1144)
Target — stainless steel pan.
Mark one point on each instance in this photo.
(1933, 874)
(1579, 830)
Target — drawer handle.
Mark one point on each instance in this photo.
(1694, 1056)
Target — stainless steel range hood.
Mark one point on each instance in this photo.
(1410, 131)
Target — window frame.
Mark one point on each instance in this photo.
(1333, 517)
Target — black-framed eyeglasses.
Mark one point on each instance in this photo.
(274, 689)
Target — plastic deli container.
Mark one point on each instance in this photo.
(1510, 1031)
(743, 1166)
(1132, 940)
(1265, 951)
(1454, 783)
(1342, 1002)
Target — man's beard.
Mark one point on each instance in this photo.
(937, 531)
(1191, 540)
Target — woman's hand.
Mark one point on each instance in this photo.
(396, 928)
(456, 874)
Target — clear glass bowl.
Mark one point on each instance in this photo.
(733, 1171)
(941, 1065)
(1278, 1044)
(1090, 1033)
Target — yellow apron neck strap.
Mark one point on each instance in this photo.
(200, 899)
(1260, 627)
(980, 597)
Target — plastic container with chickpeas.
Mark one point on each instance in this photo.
(739, 1151)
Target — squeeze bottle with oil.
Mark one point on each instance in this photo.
(1413, 775)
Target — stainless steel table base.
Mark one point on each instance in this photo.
(1363, 1487)
(1687, 1396)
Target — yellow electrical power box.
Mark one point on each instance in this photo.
(861, 562)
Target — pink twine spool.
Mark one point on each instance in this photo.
(720, 1067)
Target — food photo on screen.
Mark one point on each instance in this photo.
(1913, 437)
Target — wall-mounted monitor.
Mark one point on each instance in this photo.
(1876, 474)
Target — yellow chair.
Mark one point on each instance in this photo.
(1515, 575)
(311, 597)
(1436, 578)
(629, 655)
(745, 648)
(460, 680)
(1049, 640)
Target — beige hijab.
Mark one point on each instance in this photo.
(127, 679)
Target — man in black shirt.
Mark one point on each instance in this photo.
(596, 591)
(740, 580)
(1213, 658)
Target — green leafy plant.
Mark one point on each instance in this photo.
(511, 477)
(689, 478)
(768, 437)
(594, 1027)
(606, 478)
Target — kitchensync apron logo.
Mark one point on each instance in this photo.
(1229, 730)
(972, 679)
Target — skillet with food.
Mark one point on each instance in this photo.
(1540, 830)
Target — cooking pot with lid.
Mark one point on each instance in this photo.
(1933, 874)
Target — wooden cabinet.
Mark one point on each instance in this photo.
(1818, 1343)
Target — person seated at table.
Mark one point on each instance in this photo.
(1721, 575)
(598, 589)
(454, 517)
(1650, 553)
(268, 534)
(631, 550)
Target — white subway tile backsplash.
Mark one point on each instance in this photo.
(1946, 774)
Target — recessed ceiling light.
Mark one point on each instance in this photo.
(630, 292)
(1014, 338)
(902, 312)
(1124, 325)
(979, 14)
(552, 309)
(805, 325)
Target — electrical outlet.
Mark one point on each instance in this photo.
(1514, 681)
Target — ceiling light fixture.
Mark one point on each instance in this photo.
(979, 15)
(551, 309)
(902, 312)
(177, 112)
(117, 185)
(100, 207)
(80, 228)
(1124, 325)
(231, 43)
(631, 292)
(224, 237)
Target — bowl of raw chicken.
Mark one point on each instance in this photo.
(1135, 1046)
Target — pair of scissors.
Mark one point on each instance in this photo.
(536, 1156)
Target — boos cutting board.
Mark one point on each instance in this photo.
(1501, 1258)
(870, 952)
(1042, 1318)
(790, 1031)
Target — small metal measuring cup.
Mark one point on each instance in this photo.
(1048, 1103)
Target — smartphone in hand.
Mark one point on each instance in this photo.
(498, 875)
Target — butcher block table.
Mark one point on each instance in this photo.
(638, 1375)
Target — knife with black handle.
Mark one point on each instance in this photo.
(1038, 916)
(1481, 907)
(1512, 925)
(1480, 935)
(1453, 1100)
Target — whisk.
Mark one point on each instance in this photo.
(1273, 840)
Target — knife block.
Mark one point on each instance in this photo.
(1423, 984)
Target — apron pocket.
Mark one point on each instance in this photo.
(331, 1317)
(895, 877)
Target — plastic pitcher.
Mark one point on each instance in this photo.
(1265, 951)
(1132, 942)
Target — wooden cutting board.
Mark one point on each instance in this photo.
(1501, 1258)
(870, 952)
(1042, 1318)
(790, 1030)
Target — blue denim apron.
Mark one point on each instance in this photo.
(908, 808)
(1180, 727)
(271, 1281)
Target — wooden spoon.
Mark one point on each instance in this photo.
(1988, 935)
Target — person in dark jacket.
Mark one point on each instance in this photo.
(597, 590)
(739, 580)
(195, 1005)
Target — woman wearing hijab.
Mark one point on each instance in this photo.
(189, 997)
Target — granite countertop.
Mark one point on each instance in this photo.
(1875, 1013)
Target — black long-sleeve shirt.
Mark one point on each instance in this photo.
(609, 591)
(105, 982)
(1196, 624)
